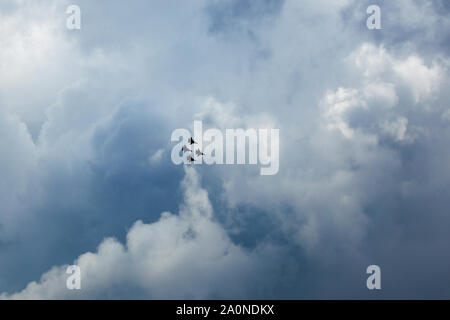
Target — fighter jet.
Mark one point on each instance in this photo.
(191, 141)
(190, 159)
(199, 153)
(185, 149)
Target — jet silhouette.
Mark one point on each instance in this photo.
(185, 149)
(190, 159)
(199, 153)
(191, 141)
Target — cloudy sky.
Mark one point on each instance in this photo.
(86, 176)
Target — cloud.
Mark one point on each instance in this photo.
(184, 255)
(363, 119)
(397, 129)
(155, 158)
(422, 80)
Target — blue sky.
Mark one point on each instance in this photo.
(364, 172)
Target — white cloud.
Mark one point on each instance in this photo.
(397, 129)
(333, 185)
(339, 103)
(185, 255)
(157, 156)
(376, 62)
(422, 80)
(383, 93)
(371, 60)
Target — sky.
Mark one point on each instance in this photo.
(86, 118)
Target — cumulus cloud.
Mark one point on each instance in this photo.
(86, 117)
(181, 255)
(422, 80)
(375, 62)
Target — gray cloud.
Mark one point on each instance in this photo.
(185, 255)
(364, 125)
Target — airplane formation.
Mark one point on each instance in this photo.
(185, 149)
